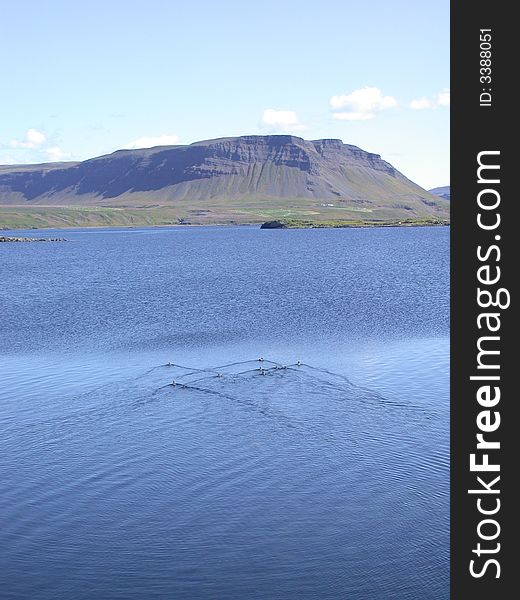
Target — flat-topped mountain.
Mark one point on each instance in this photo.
(236, 179)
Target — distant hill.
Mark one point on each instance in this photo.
(442, 192)
(228, 180)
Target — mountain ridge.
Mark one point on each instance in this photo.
(443, 191)
(224, 177)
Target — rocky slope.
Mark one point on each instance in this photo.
(241, 176)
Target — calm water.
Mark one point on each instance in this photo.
(327, 480)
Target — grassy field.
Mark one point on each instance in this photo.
(295, 213)
(38, 217)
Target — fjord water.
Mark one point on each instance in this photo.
(313, 482)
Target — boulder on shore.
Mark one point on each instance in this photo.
(273, 225)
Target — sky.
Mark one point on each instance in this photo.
(82, 79)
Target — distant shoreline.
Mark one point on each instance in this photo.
(4, 230)
(34, 217)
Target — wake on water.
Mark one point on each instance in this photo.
(267, 388)
(217, 380)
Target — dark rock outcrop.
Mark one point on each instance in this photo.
(273, 225)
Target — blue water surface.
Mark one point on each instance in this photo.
(325, 480)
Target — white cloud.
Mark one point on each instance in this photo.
(421, 103)
(360, 105)
(150, 142)
(8, 160)
(281, 120)
(443, 98)
(55, 153)
(33, 139)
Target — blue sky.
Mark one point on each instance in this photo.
(81, 79)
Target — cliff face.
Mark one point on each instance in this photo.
(257, 167)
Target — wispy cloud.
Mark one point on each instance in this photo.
(33, 139)
(421, 103)
(360, 105)
(151, 141)
(8, 160)
(56, 154)
(281, 120)
(442, 99)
